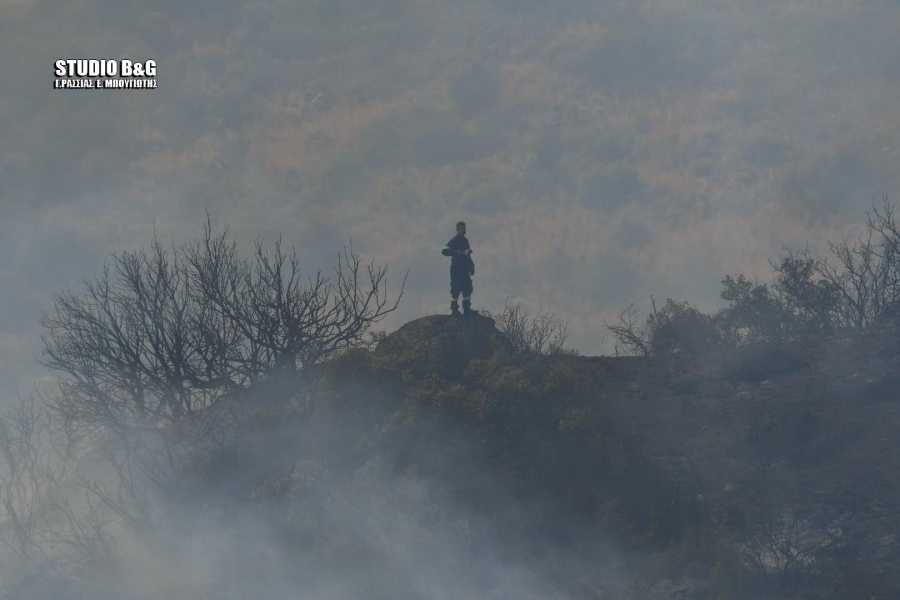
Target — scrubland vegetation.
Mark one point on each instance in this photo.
(232, 424)
(851, 288)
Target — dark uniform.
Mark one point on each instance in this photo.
(461, 270)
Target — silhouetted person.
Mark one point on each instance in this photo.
(461, 270)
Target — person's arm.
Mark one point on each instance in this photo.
(447, 251)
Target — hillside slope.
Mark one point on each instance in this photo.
(763, 470)
(442, 465)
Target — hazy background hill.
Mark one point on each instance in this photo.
(600, 151)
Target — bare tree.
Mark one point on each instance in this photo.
(282, 321)
(164, 335)
(32, 465)
(125, 491)
(632, 338)
(868, 272)
(861, 281)
(80, 532)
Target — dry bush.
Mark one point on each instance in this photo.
(540, 334)
(632, 338)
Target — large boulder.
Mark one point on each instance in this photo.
(442, 342)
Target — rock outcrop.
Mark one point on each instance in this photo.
(443, 342)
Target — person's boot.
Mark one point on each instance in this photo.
(454, 310)
(467, 309)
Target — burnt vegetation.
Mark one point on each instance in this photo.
(214, 411)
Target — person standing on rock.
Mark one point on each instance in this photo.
(461, 270)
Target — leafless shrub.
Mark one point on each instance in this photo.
(784, 544)
(775, 546)
(540, 334)
(632, 337)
